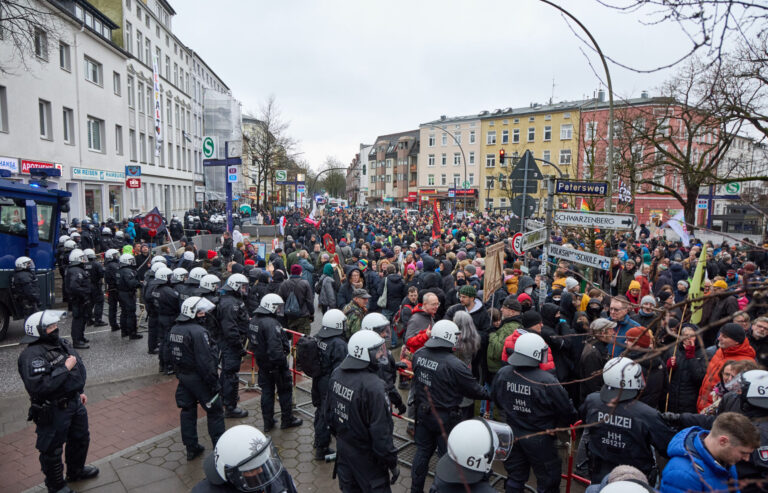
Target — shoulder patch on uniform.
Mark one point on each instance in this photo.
(762, 452)
(38, 365)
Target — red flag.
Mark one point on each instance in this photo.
(436, 221)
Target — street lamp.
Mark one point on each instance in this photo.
(463, 157)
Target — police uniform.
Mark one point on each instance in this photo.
(533, 401)
(195, 363)
(440, 486)
(79, 289)
(111, 268)
(359, 417)
(151, 285)
(333, 350)
(96, 306)
(127, 283)
(168, 308)
(57, 411)
(25, 291)
(211, 323)
(282, 484)
(233, 317)
(447, 379)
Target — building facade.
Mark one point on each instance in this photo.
(393, 162)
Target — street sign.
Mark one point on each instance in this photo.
(602, 220)
(451, 194)
(301, 189)
(534, 238)
(281, 175)
(733, 187)
(210, 144)
(133, 183)
(582, 187)
(579, 257)
(702, 204)
(531, 206)
(526, 175)
(234, 148)
(466, 184)
(232, 174)
(132, 171)
(517, 244)
(531, 224)
(223, 162)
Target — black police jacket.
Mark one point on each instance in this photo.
(168, 305)
(447, 378)
(184, 291)
(77, 282)
(269, 341)
(193, 352)
(110, 273)
(127, 280)
(97, 274)
(333, 350)
(440, 486)
(233, 318)
(283, 484)
(533, 399)
(626, 433)
(24, 284)
(45, 376)
(149, 294)
(357, 409)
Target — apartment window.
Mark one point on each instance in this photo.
(430, 161)
(471, 136)
(489, 204)
(65, 62)
(170, 155)
(93, 71)
(168, 110)
(566, 115)
(147, 21)
(471, 157)
(490, 139)
(457, 137)
(68, 117)
(489, 182)
(95, 133)
(443, 160)
(505, 136)
(456, 180)
(150, 105)
(142, 148)
(41, 44)
(44, 110)
(148, 50)
(531, 134)
(565, 156)
(139, 44)
(547, 133)
(548, 117)
(591, 133)
(443, 179)
(132, 144)
(431, 180)
(431, 140)
(167, 67)
(141, 97)
(566, 131)
(515, 135)
(471, 179)
(516, 120)
(456, 159)
(175, 74)
(444, 139)
(129, 87)
(546, 156)
(3, 110)
(116, 83)
(490, 160)
(118, 140)
(128, 36)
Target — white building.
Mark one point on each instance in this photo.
(63, 105)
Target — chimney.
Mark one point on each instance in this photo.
(442, 117)
(644, 95)
(601, 95)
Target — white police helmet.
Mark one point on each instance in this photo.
(63, 239)
(530, 350)
(271, 303)
(333, 324)
(158, 259)
(156, 267)
(754, 386)
(119, 234)
(70, 245)
(36, 324)
(473, 445)
(364, 347)
(209, 282)
(197, 274)
(24, 263)
(445, 333)
(245, 458)
(193, 305)
(627, 487)
(75, 235)
(188, 256)
(106, 231)
(112, 254)
(179, 274)
(76, 257)
(375, 322)
(163, 274)
(127, 259)
(90, 253)
(623, 378)
(236, 282)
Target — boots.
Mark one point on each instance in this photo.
(291, 422)
(87, 472)
(235, 412)
(53, 469)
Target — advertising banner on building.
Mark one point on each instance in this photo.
(97, 175)
(27, 164)
(9, 163)
(158, 111)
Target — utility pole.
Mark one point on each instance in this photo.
(549, 183)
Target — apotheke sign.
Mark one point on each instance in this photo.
(97, 175)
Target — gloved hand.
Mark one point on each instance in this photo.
(401, 408)
(395, 473)
(401, 365)
(672, 419)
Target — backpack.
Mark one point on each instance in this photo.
(496, 345)
(292, 307)
(308, 357)
(382, 301)
(319, 284)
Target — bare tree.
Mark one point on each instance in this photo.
(22, 24)
(334, 181)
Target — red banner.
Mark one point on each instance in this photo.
(328, 243)
(436, 221)
(152, 220)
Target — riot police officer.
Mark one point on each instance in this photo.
(111, 266)
(333, 350)
(473, 445)
(533, 401)
(86, 239)
(24, 287)
(626, 427)
(193, 280)
(150, 304)
(179, 283)
(387, 372)
(233, 318)
(358, 414)
(209, 289)
(96, 302)
(54, 376)
(106, 239)
(127, 283)
(194, 360)
(271, 348)
(168, 308)
(79, 289)
(447, 379)
(244, 459)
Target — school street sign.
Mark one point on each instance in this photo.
(579, 257)
(603, 220)
(534, 238)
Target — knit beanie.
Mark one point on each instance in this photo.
(328, 270)
(648, 299)
(468, 290)
(530, 318)
(640, 336)
(734, 331)
(296, 270)
(634, 285)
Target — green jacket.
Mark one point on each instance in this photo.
(355, 316)
(496, 342)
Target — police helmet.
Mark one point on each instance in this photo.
(112, 254)
(85, 222)
(127, 259)
(754, 387)
(333, 324)
(197, 274)
(236, 282)
(24, 263)
(179, 274)
(627, 486)
(188, 256)
(209, 283)
(157, 266)
(472, 446)
(90, 253)
(36, 324)
(363, 349)
(445, 333)
(119, 234)
(158, 259)
(622, 378)
(271, 303)
(106, 231)
(245, 458)
(530, 350)
(63, 239)
(75, 222)
(375, 322)
(192, 306)
(163, 274)
(76, 257)
(75, 235)
(70, 245)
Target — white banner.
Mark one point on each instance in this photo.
(158, 111)
(677, 224)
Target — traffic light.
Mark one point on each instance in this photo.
(501, 156)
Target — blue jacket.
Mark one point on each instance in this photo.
(621, 335)
(680, 476)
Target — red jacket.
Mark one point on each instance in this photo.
(741, 351)
(509, 344)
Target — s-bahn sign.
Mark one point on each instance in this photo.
(601, 220)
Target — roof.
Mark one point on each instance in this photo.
(595, 104)
(451, 119)
(167, 6)
(534, 108)
(393, 138)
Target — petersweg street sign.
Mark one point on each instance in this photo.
(232, 174)
(579, 257)
(209, 147)
(702, 204)
(517, 244)
(601, 220)
(582, 187)
(451, 194)
(532, 224)
(534, 238)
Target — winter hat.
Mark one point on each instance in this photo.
(640, 336)
(570, 283)
(559, 282)
(296, 270)
(328, 270)
(468, 290)
(530, 318)
(250, 261)
(461, 255)
(470, 269)
(524, 297)
(664, 296)
(512, 303)
(419, 265)
(634, 285)
(211, 254)
(720, 284)
(509, 279)
(410, 266)
(648, 299)
(684, 283)
(363, 264)
(734, 331)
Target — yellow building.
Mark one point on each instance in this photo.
(550, 132)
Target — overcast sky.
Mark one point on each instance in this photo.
(343, 72)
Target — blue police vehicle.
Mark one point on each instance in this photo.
(29, 226)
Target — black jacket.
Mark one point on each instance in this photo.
(396, 291)
(447, 377)
(77, 283)
(41, 366)
(192, 351)
(232, 316)
(305, 295)
(269, 342)
(110, 274)
(593, 358)
(686, 379)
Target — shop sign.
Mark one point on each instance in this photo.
(133, 171)
(199, 196)
(199, 189)
(133, 182)
(97, 175)
(9, 163)
(462, 191)
(27, 164)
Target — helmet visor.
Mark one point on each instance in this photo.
(505, 437)
(248, 477)
(378, 354)
(279, 309)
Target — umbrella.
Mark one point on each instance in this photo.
(245, 209)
